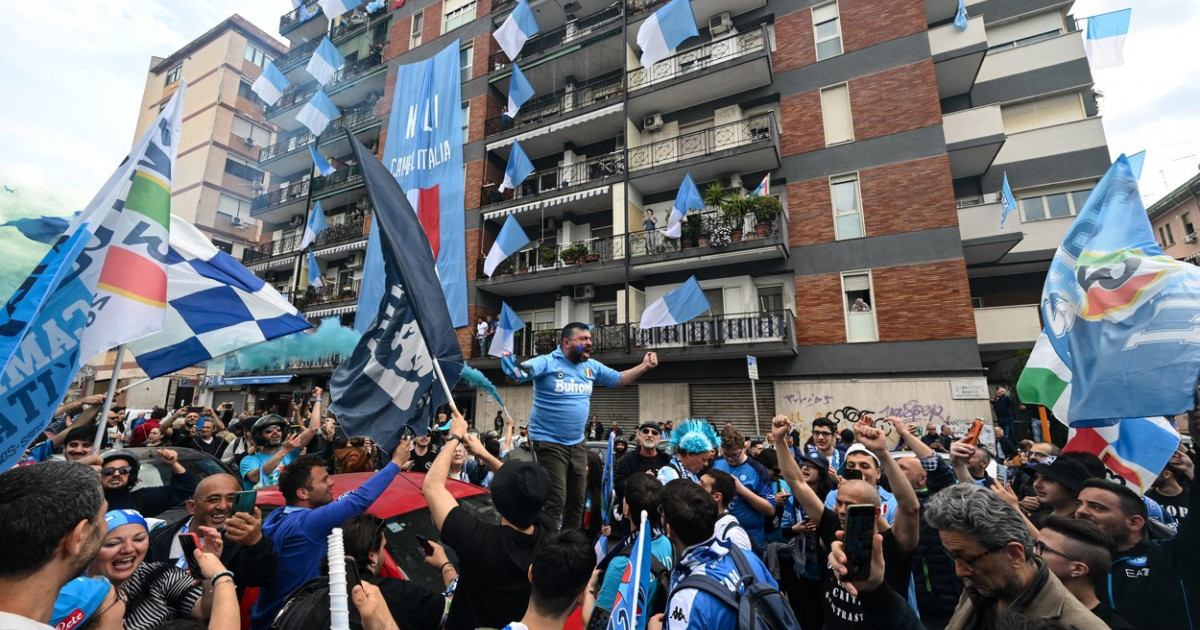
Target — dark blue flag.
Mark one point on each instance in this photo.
(389, 382)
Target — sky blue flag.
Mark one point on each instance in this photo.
(318, 112)
(688, 198)
(44, 229)
(270, 84)
(665, 30)
(388, 382)
(516, 30)
(506, 327)
(1008, 202)
(606, 481)
(316, 225)
(1119, 313)
(325, 62)
(323, 165)
(316, 279)
(519, 91)
(1136, 162)
(519, 167)
(960, 17)
(629, 608)
(511, 239)
(1105, 41)
(677, 307)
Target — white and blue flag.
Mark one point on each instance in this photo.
(688, 198)
(960, 16)
(1105, 41)
(519, 91)
(325, 62)
(323, 165)
(1008, 202)
(515, 30)
(335, 8)
(510, 240)
(316, 278)
(316, 225)
(214, 306)
(269, 85)
(664, 31)
(519, 167)
(677, 307)
(506, 327)
(1137, 161)
(317, 113)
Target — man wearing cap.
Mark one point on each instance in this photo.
(120, 473)
(88, 600)
(861, 459)
(562, 394)
(1057, 485)
(493, 587)
(646, 459)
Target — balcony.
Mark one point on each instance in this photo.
(537, 269)
(320, 299)
(703, 10)
(296, 54)
(1041, 55)
(973, 138)
(334, 235)
(983, 242)
(660, 165)
(597, 25)
(321, 365)
(560, 179)
(1007, 327)
(557, 105)
(957, 55)
(654, 253)
(1035, 146)
(938, 11)
(303, 23)
(723, 67)
(278, 205)
(290, 155)
(345, 90)
(340, 188)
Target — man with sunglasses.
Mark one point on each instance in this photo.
(119, 475)
(646, 459)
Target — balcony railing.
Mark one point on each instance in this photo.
(350, 231)
(554, 257)
(650, 242)
(295, 365)
(704, 142)
(344, 177)
(327, 294)
(638, 7)
(569, 32)
(303, 51)
(350, 119)
(289, 194)
(536, 111)
(697, 59)
(348, 73)
(337, 33)
(547, 180)
(299, 15)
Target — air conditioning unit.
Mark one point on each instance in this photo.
(236, 221)
(249, 140)
(584, 292)
(720, 24)
(356, 261)
(1189, 238)
(297, 220)
(653, 122)
(550, 225)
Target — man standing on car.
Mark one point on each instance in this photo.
(562, 393)
(120, 473)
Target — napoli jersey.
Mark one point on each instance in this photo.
(755, 477)
(562, 395)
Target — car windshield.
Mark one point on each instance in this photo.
(402, 544)
(153, 473)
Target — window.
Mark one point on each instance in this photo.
(847, 207)
(465, 56)
(174, 73)
(604, 314)
(241, 168)
(1078, 198)
(835, 113)
(1170, 235)
(1043, 112)
(1162, 237)
(1188, 228)
(466, 121)
(245, 91)
(256, 56)
(1053, 205)
(233, 206)
(828, 30)
(716, 301)
(458, 13)
(770, 299)
(259, 137)
(418, 25)
(1057, 206)
(860, 308)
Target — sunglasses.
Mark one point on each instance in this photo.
(822, 433)
(123, 470)
(651, 432)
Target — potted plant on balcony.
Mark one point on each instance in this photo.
(690, 230)
(732, 212)
(547, 256)
(572, 254)
(505, 267)
(716, 195)
(765, 211)
(589, 256)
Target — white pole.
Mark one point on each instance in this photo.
(754, 395)
(102, 419)
(437, 367)
(643, 539)
(339, 607)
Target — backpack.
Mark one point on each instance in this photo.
(307, 608)
(658, 572)
(758, 605)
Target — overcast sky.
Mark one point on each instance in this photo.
(74, 74)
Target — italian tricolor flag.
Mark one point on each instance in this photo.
(1046, 379)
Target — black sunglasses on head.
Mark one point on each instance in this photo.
(123, 470)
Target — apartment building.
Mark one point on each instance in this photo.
(881, 279)
(1173, 219)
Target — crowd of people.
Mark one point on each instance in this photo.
(742, 530)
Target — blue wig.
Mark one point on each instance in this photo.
(694, 436)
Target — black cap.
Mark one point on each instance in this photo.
(649, 425)
(519, 490)
(1070, 473)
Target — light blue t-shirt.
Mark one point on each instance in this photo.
(660, 547)
(562, 395)
(256, 461)
(755, 477)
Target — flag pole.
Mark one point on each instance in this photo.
(437, 368)
(102, 419)
(643, 535)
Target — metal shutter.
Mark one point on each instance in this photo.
(724, 402)
(237, 398)
(616, 404)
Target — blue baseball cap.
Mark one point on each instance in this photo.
(117, 518)
(78, 600)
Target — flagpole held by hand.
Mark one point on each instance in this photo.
(102, 419)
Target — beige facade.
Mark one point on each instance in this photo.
(1174, 219)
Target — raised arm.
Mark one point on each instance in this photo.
(476, 448)
(436, 495)
(914, 443)
(630, 376)
(907, 524)
(804, 495)
(960, 454)
(506, 444)
(314, 420)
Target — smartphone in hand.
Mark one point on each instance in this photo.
(425, 546)
(189, 543)
(973, 434)
(856, 541)
(244, 501)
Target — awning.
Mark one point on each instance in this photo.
(546, 203)
(270, 379)
(331, 311)
(342, 248)
(274, 264)
(562, 124)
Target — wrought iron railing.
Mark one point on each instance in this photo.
(348, 73)
(343, 177)
(638, 7)
(299, 53)
(711, 231)
(537, 110)
(299, 15)
(289, 194)
(328, 294)
(554, 257)
(572, 31)
(342, 232)
(697, 59)
(590, 170)
(753, 130)
(295, 365)
(350, 119)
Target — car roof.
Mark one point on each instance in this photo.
(401, 497)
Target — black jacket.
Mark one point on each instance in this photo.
(631, 463)
(937, 585)
(252, 566)
(153, 501)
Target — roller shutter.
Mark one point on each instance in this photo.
(731, 402)
(616, 404)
